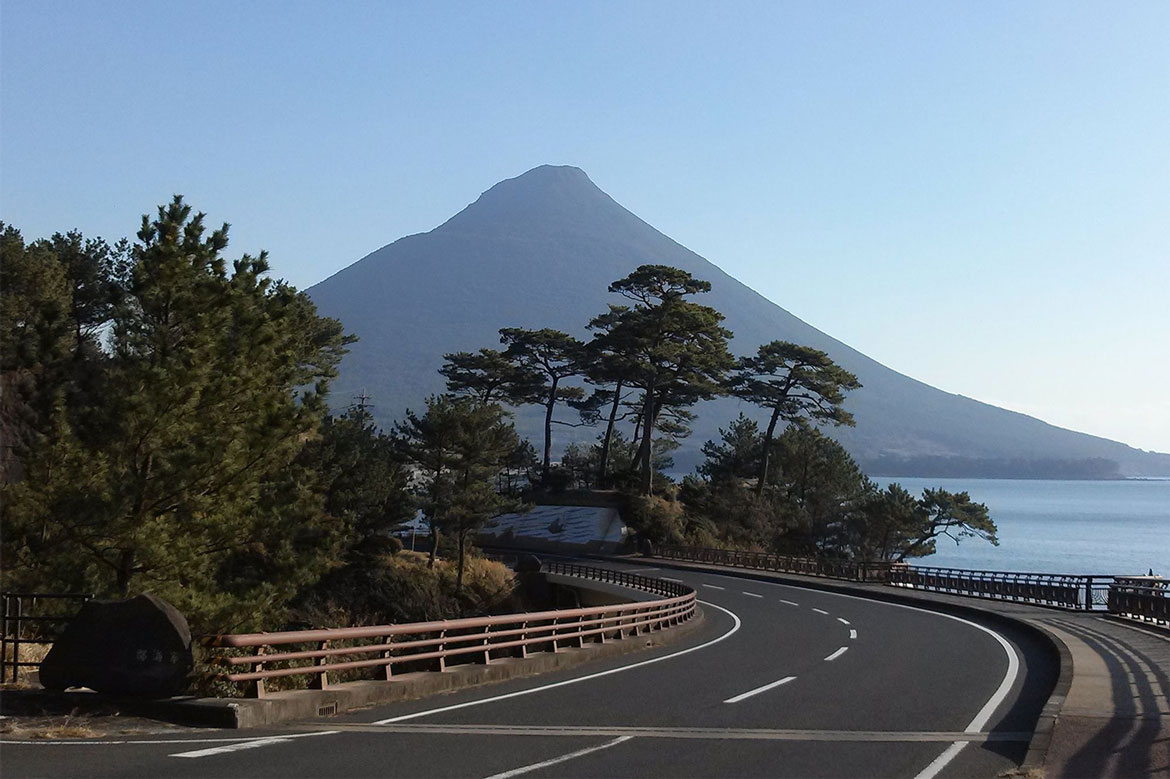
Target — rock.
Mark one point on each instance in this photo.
(140, 646)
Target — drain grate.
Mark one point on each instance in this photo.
(327, 710)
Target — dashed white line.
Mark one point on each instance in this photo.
(714, 586)
(752, 594)
(821, 611)
(842, 620)
(561, 759)
(853, 634)
(837, 654)
(789, 602)
(759, 690)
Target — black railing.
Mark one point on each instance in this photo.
(1146, 601)
(28, 608)
(645, 583)
(1067, 591)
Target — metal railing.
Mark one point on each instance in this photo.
(853, 570)
(26, 608)
(1068, 591)
(319, 653)
(1148, 602)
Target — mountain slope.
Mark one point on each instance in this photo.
(539, 250)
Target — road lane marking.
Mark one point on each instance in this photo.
(542, 688)
(758, 690)
(251, 743)
(853, 634)
(714, 586)
(561, 759)
(836, 654)
(668, 579)
(790, 603)
(752, 594)
(821, 611)
(842, 620)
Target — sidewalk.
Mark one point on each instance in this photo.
(1109, 716)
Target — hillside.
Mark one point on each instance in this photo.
(539, 250)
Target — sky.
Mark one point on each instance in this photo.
(976, 194)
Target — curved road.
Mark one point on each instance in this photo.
(779, 681)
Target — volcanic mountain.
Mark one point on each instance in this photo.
(540, 250)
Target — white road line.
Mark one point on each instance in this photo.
(1001, 692)
(251, 743)
(752, 594)
(714, 586)
(759, 690)
(837, 654)
(842, 620)
(790, 603)
(561, 759)
(518, 693)
(853, 634)
(821, 611)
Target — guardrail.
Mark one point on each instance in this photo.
(1069, 591)
(1143, 602)
(15, 617)
(853, 570)
(319, 653)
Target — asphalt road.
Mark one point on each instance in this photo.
(779, 681)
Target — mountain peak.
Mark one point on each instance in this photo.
(548, 198)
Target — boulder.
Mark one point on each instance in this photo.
(140, 646)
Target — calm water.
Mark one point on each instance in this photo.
(1061, 526)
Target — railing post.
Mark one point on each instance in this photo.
(388, 654)
(553, 634)
(1088, 593)
(4, 640)
(16, 639)
(257, 687)
(487, 652)
(443, 651)
(321, 681)
(524, 640)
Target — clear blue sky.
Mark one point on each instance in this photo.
(975, 193)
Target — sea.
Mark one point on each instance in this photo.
(1078, 527)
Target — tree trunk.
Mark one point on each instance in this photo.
(645, 454)
(602, 482)
(459, 567)
(434, 544)
(125, 571)
(766, 455)
(548, 415)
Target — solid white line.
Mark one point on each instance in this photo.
(790, 603)
(561, 759)
(242, 744)
(587, 677)
(752, 594)
(940, 762)
(759, 690)
(842, 620)
(821, 611)
(853, 634)
(837, 654)
(714, 586)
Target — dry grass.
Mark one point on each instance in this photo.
(30, 652)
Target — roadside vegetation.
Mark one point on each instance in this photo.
(166, 429)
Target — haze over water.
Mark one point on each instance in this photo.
(1080, 527)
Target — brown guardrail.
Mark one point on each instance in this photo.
(317, 653)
